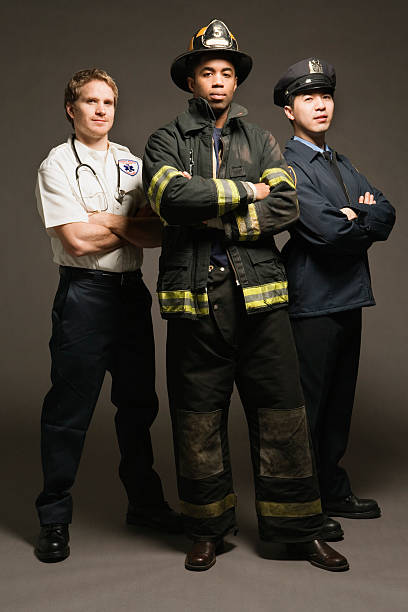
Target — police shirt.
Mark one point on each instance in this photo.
(59, 199)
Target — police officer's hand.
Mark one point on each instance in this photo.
(262, 190)
(367, 198)
(350, 214)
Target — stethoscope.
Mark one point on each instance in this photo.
(119, 194)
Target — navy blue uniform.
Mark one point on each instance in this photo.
(326, 257)
(101, 321)
(329, 282)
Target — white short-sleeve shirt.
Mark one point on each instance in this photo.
(59, 199)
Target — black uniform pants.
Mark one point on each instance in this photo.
(329, 349)
(204, 358)
(101, 322)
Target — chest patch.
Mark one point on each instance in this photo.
(292, 174)
(129, 166)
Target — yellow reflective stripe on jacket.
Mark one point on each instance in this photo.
(265, 295)
(289, 510)
(159, 183)
(183, 301)
(208, 510)
(248, 226)
(227, 195)
(274, 176)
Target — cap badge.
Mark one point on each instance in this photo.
(315, 65)
(217, 36)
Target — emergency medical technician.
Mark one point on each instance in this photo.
(223, 190)
(341, 215)
(101, 313)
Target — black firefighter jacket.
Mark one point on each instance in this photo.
(326, 257)
(247, 228)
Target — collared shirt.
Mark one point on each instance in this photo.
(59, 199)
(313, 146)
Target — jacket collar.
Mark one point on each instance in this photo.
(305, 152)
(200, 115)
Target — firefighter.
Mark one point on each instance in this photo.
(223, 190)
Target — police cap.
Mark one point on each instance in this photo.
(310, 73)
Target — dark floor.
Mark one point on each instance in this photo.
(114, 568)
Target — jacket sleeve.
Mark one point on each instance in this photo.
(376, 219)
(274, 213)
(323, 225)
(182, 201)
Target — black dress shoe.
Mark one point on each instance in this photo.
(157, 516)
(353, 507)
(202, 555)
(331, 530)
(52, 544)
(321, 555)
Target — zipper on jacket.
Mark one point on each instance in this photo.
(221, 174)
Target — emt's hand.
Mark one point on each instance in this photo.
(350, 214)
(367, 198)
(101, 218)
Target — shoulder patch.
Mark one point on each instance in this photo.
(292, 174)
(129, 166)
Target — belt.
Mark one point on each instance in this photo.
(101, 276)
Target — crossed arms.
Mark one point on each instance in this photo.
(105, 232)
(183, 200)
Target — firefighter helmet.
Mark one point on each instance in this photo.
(214, 38)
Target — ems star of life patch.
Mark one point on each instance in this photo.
(129, 166)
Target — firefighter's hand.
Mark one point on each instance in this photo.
(367, 198)
(186, 175)
(146, 211)
(262, 191)
(350, 214)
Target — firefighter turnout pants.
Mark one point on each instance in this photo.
(204, 359)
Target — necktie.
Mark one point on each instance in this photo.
(331, 158)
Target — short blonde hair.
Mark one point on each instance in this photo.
(81, 78)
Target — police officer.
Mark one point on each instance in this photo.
(92, 204)
(341, 215)
(223, 289)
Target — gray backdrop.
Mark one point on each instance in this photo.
(44, 43)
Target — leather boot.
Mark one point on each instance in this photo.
(202, 555)
(321, 555)
(331, 530)
(353, 507)
(52, 544)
